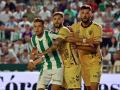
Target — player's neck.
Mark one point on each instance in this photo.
(58, 28)
(40, 35)
(87, 24)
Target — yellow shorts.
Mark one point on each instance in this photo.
(90, 68)
(72, 77)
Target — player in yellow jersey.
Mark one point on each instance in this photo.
(87, 35)
(69, 56)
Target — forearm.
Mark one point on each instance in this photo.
(54, 46)
(37, 61)
(33, 54)
(88, 42)
(51, 49)
(88, 45)
(87, 48)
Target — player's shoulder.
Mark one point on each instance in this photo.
(96, 25)
(75, 24)
(64, 28)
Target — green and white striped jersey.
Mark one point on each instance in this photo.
(51, 60)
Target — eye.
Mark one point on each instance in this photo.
(34, 26)
(54, 18)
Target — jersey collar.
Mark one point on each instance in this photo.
(86, 26)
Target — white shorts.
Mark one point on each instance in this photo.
(52, 76)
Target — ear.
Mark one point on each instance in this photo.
(63, 19)
(92, 15)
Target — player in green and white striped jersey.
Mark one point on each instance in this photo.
(52, 70)
(52, 60)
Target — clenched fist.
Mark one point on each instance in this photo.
(31, 66)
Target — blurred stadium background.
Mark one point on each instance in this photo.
(16, 29)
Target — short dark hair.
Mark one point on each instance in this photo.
(59, 13)
(86, 7)
(38, 20)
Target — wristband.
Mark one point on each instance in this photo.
(31, 60)
(33, 53)
(40, 57)
(43, 56)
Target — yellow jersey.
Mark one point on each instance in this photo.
(94, 31)
(67, 52)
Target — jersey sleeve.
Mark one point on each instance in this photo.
(33, 41)
(54, 36)
(97, 33)
(74, 27)
(63, 33)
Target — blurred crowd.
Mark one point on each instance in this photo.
(16, 26)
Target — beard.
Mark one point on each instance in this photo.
(85, 20)
(57, 25)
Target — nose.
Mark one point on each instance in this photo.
(36, 29)
(84, 16)
(56, 21)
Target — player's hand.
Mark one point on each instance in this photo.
(70, 39)
(74, 46)
(70, 28)
(31, 66)
(40, 54)
(71, 34)
(90, 42)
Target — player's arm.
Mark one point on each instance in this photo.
(81, 43)
(34, 57)
(31, 66)
(91, 43)
(34, 53)
(88, 45)
(57, 40)
(56, 44)
(85, 44)
(72, 38)
(73, 35)
(34, 60)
